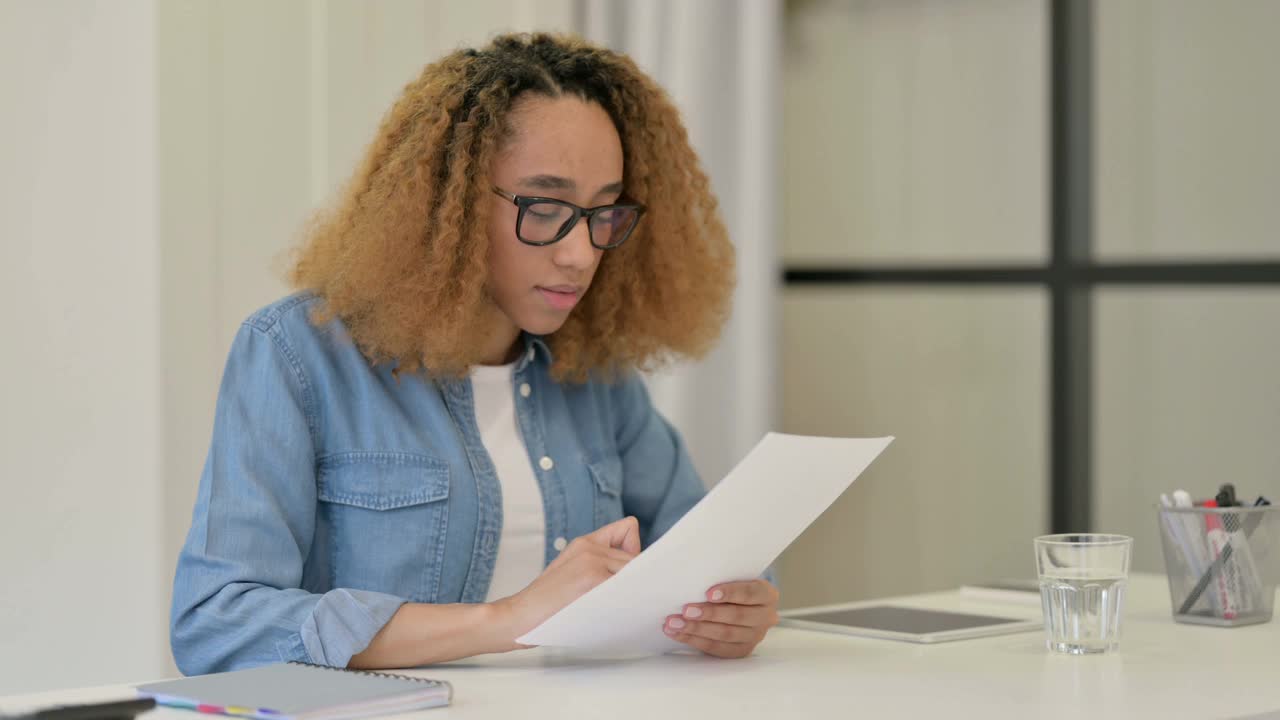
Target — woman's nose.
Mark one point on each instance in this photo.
(575, 249)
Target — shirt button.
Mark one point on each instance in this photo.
(530, 354)
(525, 389)
(545, 463)
(559, 544)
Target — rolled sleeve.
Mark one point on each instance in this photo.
(238, 596)
(341, 625)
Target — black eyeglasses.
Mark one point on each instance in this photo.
(542, 221)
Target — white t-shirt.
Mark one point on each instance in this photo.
(522, 545)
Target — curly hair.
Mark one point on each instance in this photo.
(401, 257)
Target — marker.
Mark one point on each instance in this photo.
(1193, 532)
(1226, 496)
(1248, 579)
(1227, 585)
(1176, 527)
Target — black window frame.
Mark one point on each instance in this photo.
(1072, 273)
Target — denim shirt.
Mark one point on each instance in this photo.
(334, 492)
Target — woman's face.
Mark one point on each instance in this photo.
(563, 148)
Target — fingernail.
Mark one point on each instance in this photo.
(676, 623)
(669, 630)
(717, 595)
(693, 611)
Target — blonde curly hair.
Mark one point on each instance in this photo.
(401, 257)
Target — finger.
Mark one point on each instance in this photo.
(608, 553)
(615, 564)
(595, 573)
(623, 534)
(582, 550)
(600, 568)
(750, 592)
(713, 647)
(757, 616)
(598, 556)
(586, 546)
(711, 630)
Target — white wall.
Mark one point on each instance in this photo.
(916, 131)
(960, 378)
(81, 588)
(1187, 106)
(1187, 396)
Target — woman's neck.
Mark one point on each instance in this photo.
(502, 345)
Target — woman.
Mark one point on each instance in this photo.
(441, 440)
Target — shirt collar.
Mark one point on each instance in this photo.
(535, 346)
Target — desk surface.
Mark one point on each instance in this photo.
(1163, 670)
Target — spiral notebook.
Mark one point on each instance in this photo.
(299, 691)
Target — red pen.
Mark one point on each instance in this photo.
(1226, 580)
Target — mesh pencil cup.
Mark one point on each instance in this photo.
(1223, 563)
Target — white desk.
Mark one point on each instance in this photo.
(1164, 670)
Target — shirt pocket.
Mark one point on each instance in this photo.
(606, 476)
(382, 520)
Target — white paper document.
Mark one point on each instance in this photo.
(741, 526)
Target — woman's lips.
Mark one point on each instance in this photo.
(561, 297)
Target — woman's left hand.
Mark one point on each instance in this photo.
(731, 623)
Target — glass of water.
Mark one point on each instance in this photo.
(1082, 581)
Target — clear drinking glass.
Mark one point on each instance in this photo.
(1082, 582)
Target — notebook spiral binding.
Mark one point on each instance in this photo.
(373, 673)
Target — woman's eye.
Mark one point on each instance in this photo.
(546, 213)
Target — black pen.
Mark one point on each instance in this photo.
(114, 710)
(1226, 496)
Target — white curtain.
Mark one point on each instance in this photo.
(719, 60)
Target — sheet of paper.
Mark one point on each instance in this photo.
(741, 526)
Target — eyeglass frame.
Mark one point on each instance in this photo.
(522, 202)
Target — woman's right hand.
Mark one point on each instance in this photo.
(428, 633)
(587, 561)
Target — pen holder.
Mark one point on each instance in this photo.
(1223, 563)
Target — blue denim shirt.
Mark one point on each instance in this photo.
(334, 492)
